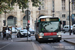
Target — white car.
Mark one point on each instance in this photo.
(73, 30)
(14, 30)
(31, 31)
(23, 33)
(66, 28)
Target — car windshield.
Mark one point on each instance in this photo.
(19, 28)
(50, 26)
(13, 28)
(21, 31)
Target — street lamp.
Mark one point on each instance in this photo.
(27, 12)
(53, 8)
(69, 20)
(5, 18)
(39, 10)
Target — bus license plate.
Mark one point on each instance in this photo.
(50, 39)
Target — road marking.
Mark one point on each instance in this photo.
(11, 40)
(5, 46)
(35, 47)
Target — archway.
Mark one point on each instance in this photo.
(11, 21)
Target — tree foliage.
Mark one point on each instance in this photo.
(22, 4)
(35, 2)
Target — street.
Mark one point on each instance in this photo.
(31, 44)
(37, 25)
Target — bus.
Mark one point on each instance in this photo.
(48, 28)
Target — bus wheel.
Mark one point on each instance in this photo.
(40, 41)
(58, 40)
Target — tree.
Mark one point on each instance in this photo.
(7, 4)
(4, 6)
(36, 2)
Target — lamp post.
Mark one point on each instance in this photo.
(53, 8)
(39, 10)
(27, 25)
(5, 18)
(27, 12)
(69, 20)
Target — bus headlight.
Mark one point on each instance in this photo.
(59, 35)
(41, 35)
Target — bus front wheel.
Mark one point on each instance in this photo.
(58, 40)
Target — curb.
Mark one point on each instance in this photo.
(69, 42)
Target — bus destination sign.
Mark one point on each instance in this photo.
(49, 19)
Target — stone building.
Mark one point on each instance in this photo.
(59, 8)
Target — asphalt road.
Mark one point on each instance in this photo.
(50, 45)
(55, 45)
(17, 46)
(22, 44)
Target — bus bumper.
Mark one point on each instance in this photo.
(55, 38)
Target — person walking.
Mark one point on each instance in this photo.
(4, 34)
(7, 32)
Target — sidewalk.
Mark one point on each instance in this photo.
(68, 38)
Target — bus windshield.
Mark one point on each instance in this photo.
(50, 26)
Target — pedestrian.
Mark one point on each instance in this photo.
(7, 28)
(7, 32)
(4, 33)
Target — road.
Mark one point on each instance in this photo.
(22, 44)
(55, 46)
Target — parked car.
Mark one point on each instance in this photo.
(23, 33)
(18, 28)
(31, 31)
(14, 30)
(66, 28)
(73, 30)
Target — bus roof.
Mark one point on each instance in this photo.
(47, 17)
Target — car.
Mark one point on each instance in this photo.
(73, 30)
(31, 31)
(66, 28)
(18, 28)
(23, 33)
(14, 30)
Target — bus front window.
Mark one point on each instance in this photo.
(50, 26)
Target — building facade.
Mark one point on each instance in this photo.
(59, 8)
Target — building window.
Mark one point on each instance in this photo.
(63, 4)
(43, 4)
(63, 15)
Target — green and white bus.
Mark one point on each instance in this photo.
(48, 28)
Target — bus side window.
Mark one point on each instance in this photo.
(37, 24)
